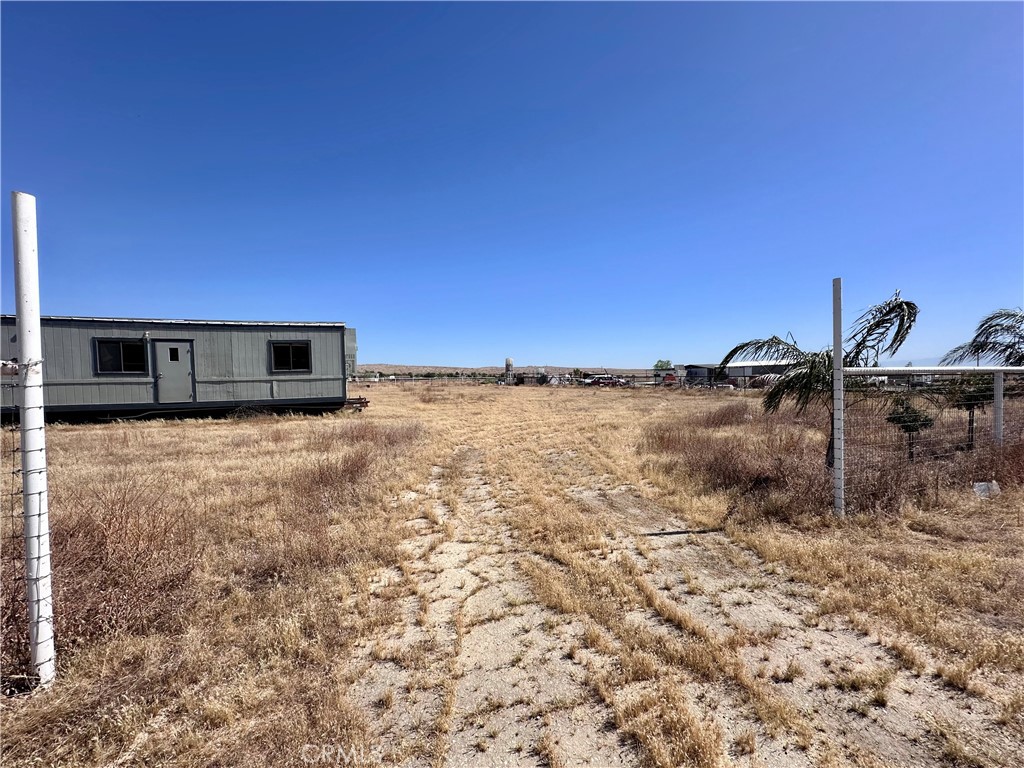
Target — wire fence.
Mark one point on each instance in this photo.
(15, 667)
(916, 435)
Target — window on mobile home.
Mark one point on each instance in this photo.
(120, 356)
(289, 356)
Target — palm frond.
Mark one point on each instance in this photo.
(881, 330)
(959, 354)
(807, 381)
(999, 338)
(774, 349)
(1003, 322)
(808, 377)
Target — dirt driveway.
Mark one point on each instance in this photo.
(503, 576)
(560, 614)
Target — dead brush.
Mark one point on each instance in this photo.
(299, 546)
(886, 484)
(126, 554)
(252, 413)
(231, 577)
(334, 436)
(717, 462)
(333, 483)
(885, 487)
(15, 665)
(434, 393)
(1004, 464)
(259, 671)
(325, 505)
(797, 484)
(736, 413)
(775, 469)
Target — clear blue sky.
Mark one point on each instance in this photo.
(591, 184)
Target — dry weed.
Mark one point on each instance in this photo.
(222, 563)
(288, 523)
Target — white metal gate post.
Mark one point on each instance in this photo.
(997, 408)
(33, 438)
(838, 458)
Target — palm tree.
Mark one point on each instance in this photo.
(999, 338)
(881, 330)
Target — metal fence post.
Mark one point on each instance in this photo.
(838, 457)
(997, 408)
(33, 438)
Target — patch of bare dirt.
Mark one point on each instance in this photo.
(478, 673)
(555, 614)
(858, 695)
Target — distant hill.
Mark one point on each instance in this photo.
(391, 369)
(921, 362)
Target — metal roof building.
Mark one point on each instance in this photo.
(742, 372)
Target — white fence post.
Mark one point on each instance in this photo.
(33, 438)
(838, 457)
(997, 408)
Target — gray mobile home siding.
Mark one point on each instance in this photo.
(231, 362)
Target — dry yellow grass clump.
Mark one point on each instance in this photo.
(470, 575)
(210, 579)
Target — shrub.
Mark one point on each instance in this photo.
(773, 467)
(732, 414)
(327, 504)
(125, 556)
(338, 435)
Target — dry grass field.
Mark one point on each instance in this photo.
(470, 575)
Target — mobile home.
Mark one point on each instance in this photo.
(124, 366)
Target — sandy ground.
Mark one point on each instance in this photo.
(525, 586)
(509, 688)
(516, 677)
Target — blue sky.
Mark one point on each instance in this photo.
(570, 184)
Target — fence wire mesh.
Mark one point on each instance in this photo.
(14, 645)
(914, 436)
